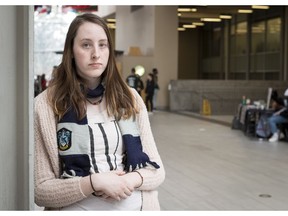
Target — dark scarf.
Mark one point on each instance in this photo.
(74, 137)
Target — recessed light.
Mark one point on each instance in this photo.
(211, 19)
(223, 16)
(260, 7)
(244, 11)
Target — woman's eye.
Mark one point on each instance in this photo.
(86, 45)
(103, 45)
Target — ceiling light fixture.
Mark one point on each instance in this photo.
(184, 9)
(211, 19)
(111, 25)
(181, 29)
(189, 26)
(223, 16)
(198, 23)
(111, 20)
(187, 9)
(244, 11)
(260, 7)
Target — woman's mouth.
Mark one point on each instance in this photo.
(95, 65)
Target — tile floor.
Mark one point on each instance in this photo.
(209, 166)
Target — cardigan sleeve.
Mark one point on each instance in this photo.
(50, 191)
(152, 178)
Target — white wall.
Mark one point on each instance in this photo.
(105, 10)
(135, 29)
(154, 30)
(16, 95)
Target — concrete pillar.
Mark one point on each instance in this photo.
(16, 110)
(154, 30)
(165, 50)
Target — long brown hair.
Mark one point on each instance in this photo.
(66, 88)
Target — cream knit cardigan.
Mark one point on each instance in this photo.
(52, 192)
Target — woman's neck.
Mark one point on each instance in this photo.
(92, 84)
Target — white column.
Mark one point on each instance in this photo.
(165, 50)
(16, 96)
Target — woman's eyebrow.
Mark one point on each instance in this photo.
(88, 39)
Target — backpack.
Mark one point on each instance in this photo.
(263, 128)
(236, 123)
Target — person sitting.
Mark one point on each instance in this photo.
(279, 116)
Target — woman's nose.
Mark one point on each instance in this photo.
(95, 57)
(95, 54)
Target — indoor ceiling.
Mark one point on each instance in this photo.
(196, 13)
(210, 11)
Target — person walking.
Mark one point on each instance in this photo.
(156, 87)
(149, 90)
(140, 85)
(94, 147)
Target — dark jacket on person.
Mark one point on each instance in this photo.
(280, 104)
(149, 90)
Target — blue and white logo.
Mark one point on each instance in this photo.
(64, 139)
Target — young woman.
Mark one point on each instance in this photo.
(94, 148)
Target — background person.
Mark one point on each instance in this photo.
(140, 85)
(279, 116)
(149, 90)
(156, 88)
(132, 80)
(43, 82)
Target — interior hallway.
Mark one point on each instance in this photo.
(209, 166)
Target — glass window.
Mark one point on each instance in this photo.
(212, 38)
(238, 50)
(265, 49)
(258, 37)
(238, 34)
(241, 38)
(273, 34)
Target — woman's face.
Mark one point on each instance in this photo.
(91, 52)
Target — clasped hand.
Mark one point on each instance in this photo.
(114, 185)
